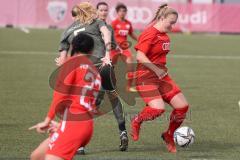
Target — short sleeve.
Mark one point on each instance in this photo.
(113, 25)
(144, 43)
(64, 45)
(101, 24)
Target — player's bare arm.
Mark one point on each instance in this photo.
(142, 58)
(133, 36)
(62, 58)
(42, 126)
(107, 40)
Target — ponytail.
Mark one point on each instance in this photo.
(84, 12)
(163, 11)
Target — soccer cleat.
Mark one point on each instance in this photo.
(168, 139)
(81, 151)
(135, 126)
(124, 141)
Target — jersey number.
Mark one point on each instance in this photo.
(78, 30)
(90, 91)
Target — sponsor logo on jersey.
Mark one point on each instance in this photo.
(166, 46)
(123, 32)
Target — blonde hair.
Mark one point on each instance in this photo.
(85, 12)
(163, 11)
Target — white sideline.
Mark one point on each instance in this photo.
(170, 55)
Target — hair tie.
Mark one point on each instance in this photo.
(82, 10)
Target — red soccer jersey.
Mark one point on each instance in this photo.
(121, 30)
(77, 87)
(154, 44)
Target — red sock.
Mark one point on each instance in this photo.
(148, 113)
(176, 119)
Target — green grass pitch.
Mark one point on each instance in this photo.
(206, 67)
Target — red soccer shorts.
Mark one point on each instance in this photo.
(70, 136)
(150, 87)
(115, 53)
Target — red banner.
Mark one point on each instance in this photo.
(192, 17)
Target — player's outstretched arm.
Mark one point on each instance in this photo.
(42, 126)
(62, 58)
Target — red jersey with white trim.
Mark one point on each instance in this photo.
(121, 30)
(77, 86)
(154, 44)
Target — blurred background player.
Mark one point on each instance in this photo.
(122, 28)
(102, 12)
(70, 134)
(154, 84)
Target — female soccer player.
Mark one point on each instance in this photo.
(122, 28)
(85, 20)
(154, 84)
(102, 12)
(74, 104)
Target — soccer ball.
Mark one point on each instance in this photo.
(184, 136)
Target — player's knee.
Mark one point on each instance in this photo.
(184, 106)
(159, 107)
(179, 102)
(129, 60)
(157, 104)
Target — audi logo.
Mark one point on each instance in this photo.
(135, 14)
